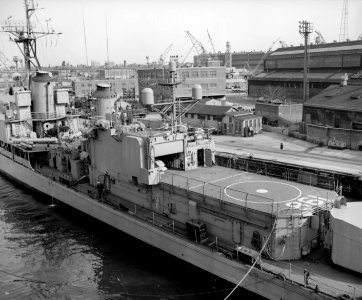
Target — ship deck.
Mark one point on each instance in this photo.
(331, 279)
(254, 191)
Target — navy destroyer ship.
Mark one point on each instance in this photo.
(160, 185)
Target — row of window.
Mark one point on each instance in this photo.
(246, 123)
(111, 83)
(182, 74)
(317, 85)
(203, 85)
(249, 123)
(203, 117)
(124, 90)
(196, 74)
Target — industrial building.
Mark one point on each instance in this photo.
(251, 61)
(279, 114)
(127, 87)
(224, 119)
(241, 123)
(207, 116)
(211, 79)
(334, 117)
(329, 62)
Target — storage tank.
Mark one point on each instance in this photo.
(197, 92)
(42, 87)
(147, 96)
(105, 99)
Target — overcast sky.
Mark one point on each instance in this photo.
(140, 28)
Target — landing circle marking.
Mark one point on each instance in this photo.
(264, 191)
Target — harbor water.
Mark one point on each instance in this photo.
(51, 251)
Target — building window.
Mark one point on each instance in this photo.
(89, 85)
(82, 85)
(213, 85)
(203, 73)
(204, 86)
(212, 73)
(195, 74)
(202, 117)
(185, 74)
(208, 117)
(192, 115)
(230, 119)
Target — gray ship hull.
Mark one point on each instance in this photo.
(259, 282)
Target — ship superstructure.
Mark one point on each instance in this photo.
(160, 184)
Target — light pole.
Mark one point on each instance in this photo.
(305, 29)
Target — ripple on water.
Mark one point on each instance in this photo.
(63, 254)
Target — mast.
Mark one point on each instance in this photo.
(22, 32)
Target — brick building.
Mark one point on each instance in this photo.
(334, 117)
(329, 62)
(211, 79)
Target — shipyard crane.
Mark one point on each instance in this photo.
(264, 56)
(211, 42)
(200, 49)
(284, 45)
(164, 54)
(187, 54)
(319, 39)
(5, 61)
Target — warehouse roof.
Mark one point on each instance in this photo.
(298, 76)
(240, 112)
(352, 46)
(247, 117)
(211, 110)
(347, 97)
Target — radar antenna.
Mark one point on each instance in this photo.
(24, 33)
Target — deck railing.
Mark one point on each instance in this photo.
(45, 116)
(235, 197)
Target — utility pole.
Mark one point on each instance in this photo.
(305, 29)
(23, 33)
